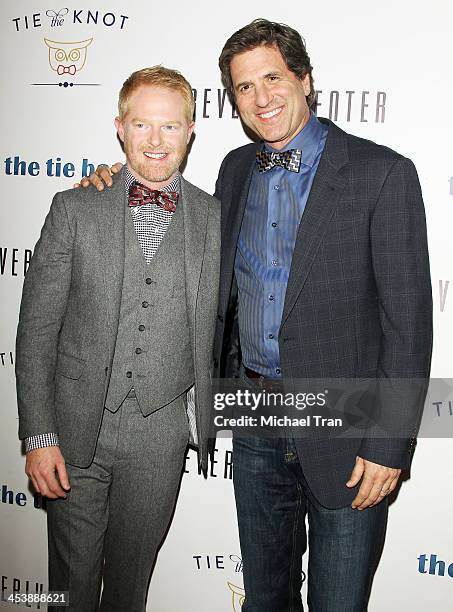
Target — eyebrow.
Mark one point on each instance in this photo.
(267, 75)
(170, 121)
(242, 83)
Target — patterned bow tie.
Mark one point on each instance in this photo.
(140, 194)
(290, 160)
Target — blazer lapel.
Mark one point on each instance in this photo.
(195, 224)
(110, 211)
(232, 214)
(325, 194)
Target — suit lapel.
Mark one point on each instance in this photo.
(232, 215)
(110, 212)
(325, 194)
(195, 215)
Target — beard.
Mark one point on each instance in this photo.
(151, 170)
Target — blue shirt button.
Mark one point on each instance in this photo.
(271, 336)
(271, 298)
(277, 370)
(275, 262)
(274, 224)
(276, 187)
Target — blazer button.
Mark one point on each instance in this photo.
(129, 374)
(216, 363)
(145, 304)
(148, 281)
(141, 328)
(138, 351)
(220, 318)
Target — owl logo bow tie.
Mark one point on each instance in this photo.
(290, 160)
(66, 69)
(139, 195)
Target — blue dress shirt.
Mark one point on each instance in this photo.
(275, 203)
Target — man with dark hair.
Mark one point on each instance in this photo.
(325, 265)
(324, 275)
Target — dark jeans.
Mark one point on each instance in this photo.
(272, 500)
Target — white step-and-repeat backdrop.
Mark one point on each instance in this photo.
(382, 71)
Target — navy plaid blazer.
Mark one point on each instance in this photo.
(358, 302)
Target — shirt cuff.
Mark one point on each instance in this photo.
(41, 441)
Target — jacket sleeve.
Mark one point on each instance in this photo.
(43, 306)
(402, 277)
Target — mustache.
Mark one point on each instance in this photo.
(151, 149)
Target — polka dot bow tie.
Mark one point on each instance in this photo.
(290, 160)
(140, 194)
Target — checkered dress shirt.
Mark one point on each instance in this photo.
(150, 220)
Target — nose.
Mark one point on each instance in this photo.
(155, 136)
(262, 95)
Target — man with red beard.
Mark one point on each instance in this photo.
(114, 346)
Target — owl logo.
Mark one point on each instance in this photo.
(67, 57)
(238, 597)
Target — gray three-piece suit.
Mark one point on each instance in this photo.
(107, 349)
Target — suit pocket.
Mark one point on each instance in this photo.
(69, 366)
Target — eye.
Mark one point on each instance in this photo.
(244, 88)
(74, 55)
(170, 128)
(60, 55)
(273, 77)
(139, 125)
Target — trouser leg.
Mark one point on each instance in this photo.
(76, 525)
(345, 546)
(271, 507)
(146, 477)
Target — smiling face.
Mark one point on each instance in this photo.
(269, 97)
(155, 131)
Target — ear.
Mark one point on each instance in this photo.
(306, 85)
(119, 128)
(190, 130)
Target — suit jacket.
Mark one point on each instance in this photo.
(358, 301)
(71, 303)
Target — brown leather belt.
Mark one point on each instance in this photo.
(269, 384)
(251, 373)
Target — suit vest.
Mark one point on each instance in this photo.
(153, 353)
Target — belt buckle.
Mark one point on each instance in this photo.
(261, 382)
(268, 384)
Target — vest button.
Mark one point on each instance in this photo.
(141, 327)
(138, 351)
(129, 374)
(145, 304)
(148, 281)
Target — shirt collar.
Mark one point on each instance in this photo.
(307, 140)
(174, 185)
